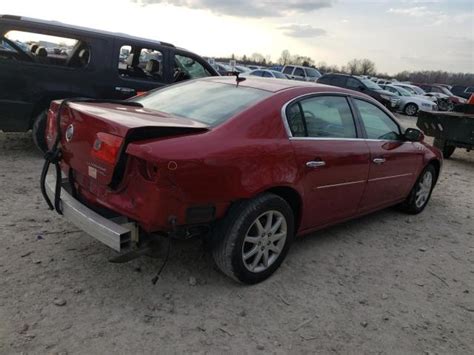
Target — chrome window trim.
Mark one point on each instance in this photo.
(300, 97)
(332, 93)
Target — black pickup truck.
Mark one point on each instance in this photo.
(41, 61)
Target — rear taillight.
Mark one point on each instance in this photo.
(106, 147)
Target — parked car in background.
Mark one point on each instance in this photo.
(90, 63)
(266, 73)
(366, 86)
(442, 89)
(249, 166)
(242, 69)
(413, 89)
(223, 69)
(462, 91)
(298, 72)
(410, 104)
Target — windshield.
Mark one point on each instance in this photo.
(312, 73)
(446, 91)
(370, 84)
(403, 91)
(407, 88)
(204, 101)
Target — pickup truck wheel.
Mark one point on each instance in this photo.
(38, 131)
(446, 149)
(421, 192)
(411, 109)
(250, 243)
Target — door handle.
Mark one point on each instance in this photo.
(125, 90)
(379, 161)
(315, 164)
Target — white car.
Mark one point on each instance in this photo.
(266, 73)
(410, 104)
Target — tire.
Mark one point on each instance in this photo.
(38, 131)
(446, 149)
(238, 235)
(410, 109)
(421, 192)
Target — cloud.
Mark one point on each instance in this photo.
(248, 8)
(415, 11)
(302, 31)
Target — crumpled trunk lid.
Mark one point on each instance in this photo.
(94, 136)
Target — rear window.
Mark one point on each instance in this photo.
(207, 102)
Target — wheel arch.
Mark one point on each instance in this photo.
(437, 165)
(293, 198)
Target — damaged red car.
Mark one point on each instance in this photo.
(250, 163)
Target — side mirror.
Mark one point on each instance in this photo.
(414, 135)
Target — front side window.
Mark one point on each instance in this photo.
(353, 83)
(323, 117)
(288, 70)
(312, 73)
(188, 68)
(204, 101)
(46, 49)
(378, 125)
(267, 74)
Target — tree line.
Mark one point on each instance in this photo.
(357, 67)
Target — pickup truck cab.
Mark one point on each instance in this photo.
(41, 61)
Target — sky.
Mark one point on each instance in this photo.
(397, 35)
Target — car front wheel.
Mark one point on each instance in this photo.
(421, 192)
(251, 242)
(411, 109)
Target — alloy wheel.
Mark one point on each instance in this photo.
(424, 190)
(264, 241)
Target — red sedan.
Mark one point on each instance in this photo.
(251, 163)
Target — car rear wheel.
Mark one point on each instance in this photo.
(251, 242)
(421, 192)
(411, 109)
(38, 131)
(446, 149)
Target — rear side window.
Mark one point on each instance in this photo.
(142, 63)
(46, 49)
(378, 125)
(204, 101)
(339, 81)
(353, 83)
(322, 117)
(288, 70)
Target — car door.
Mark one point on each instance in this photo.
(299, 74)
(129, 74)
(394, 162)
(333, 159)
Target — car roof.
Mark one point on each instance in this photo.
(274, 85)
(59, 25)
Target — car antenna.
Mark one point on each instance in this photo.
(238, 79)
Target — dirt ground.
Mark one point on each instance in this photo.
(384, 284)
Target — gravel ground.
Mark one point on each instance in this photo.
(385, 283)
